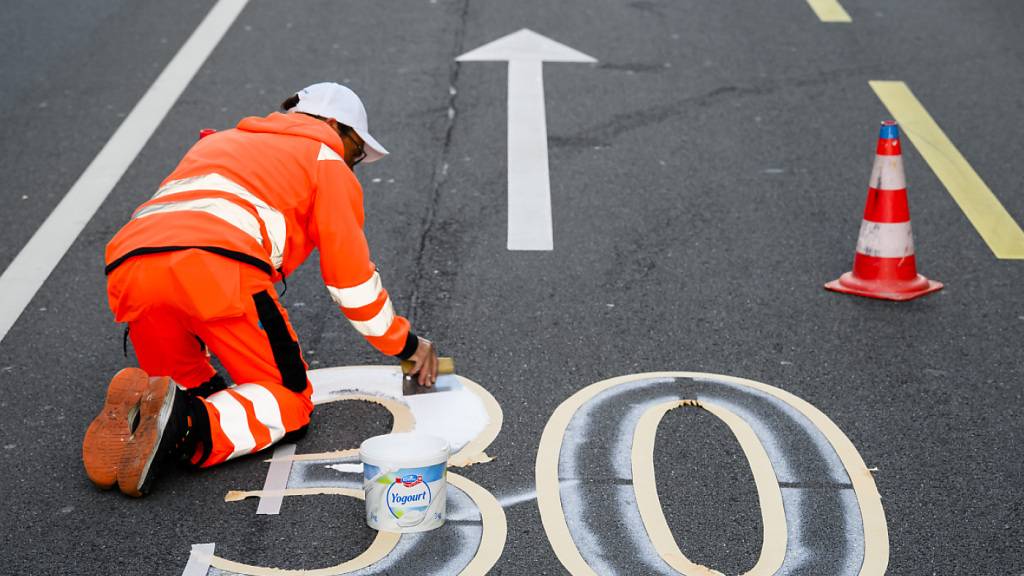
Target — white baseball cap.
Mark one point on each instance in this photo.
(332, 100)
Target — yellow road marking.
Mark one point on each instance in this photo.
(995, 225)
(829, 11)
(773, 516)
(876, 532)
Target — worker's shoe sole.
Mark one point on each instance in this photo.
(139, 459)
(108, 433)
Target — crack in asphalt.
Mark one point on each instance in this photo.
(440, 177)
(618, 124)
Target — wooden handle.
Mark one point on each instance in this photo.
(445, 365)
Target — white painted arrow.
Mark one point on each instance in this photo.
(529, 186)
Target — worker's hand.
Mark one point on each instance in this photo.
(424, 361)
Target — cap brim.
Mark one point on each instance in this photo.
(374, 151)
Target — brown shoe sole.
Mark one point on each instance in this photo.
(109, 431)
(140, 449)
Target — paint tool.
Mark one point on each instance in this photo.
(445, 378)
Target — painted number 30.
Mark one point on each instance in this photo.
(810, 480)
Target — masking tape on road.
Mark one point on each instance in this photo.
(495, 526)
(549, 499)
(382, 545)
(492, 540)
(199, 560)
(239, 495)
(876, 533)
(400, 413)
(403, 418)
(277, 479)
(773, 517)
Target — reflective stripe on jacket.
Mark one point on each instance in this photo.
(266, 193)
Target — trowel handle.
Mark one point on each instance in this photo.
(445, 365)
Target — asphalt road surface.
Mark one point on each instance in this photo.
(707, 176)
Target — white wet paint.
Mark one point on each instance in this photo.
(37, 259)
(826, 452)
(412, 552)
(576, 431)
(453, 413)
(622, 449)
(800, 554)
(529, 185)
(768, 438)
(472, 514)
(853, 528)
(348, 467)
(456, 558)
(512, 500)
(625, 497)
(799, 557)
(629, 512)
(590, 544)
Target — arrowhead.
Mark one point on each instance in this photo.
(524, 45)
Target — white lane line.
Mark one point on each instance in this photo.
(33, 265)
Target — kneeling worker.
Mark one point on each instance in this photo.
(193, 272)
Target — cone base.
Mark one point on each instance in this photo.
(890, 290)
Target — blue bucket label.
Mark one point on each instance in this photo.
(408, 497)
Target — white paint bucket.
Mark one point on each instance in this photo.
(404, 481)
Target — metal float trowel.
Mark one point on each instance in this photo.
(445, 378)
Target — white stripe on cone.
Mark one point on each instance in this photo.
(887, 173)
(884, 240)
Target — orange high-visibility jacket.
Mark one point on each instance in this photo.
(266, 193)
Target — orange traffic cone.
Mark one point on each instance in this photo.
(884, 265)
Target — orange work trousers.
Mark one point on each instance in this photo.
(182, 306)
